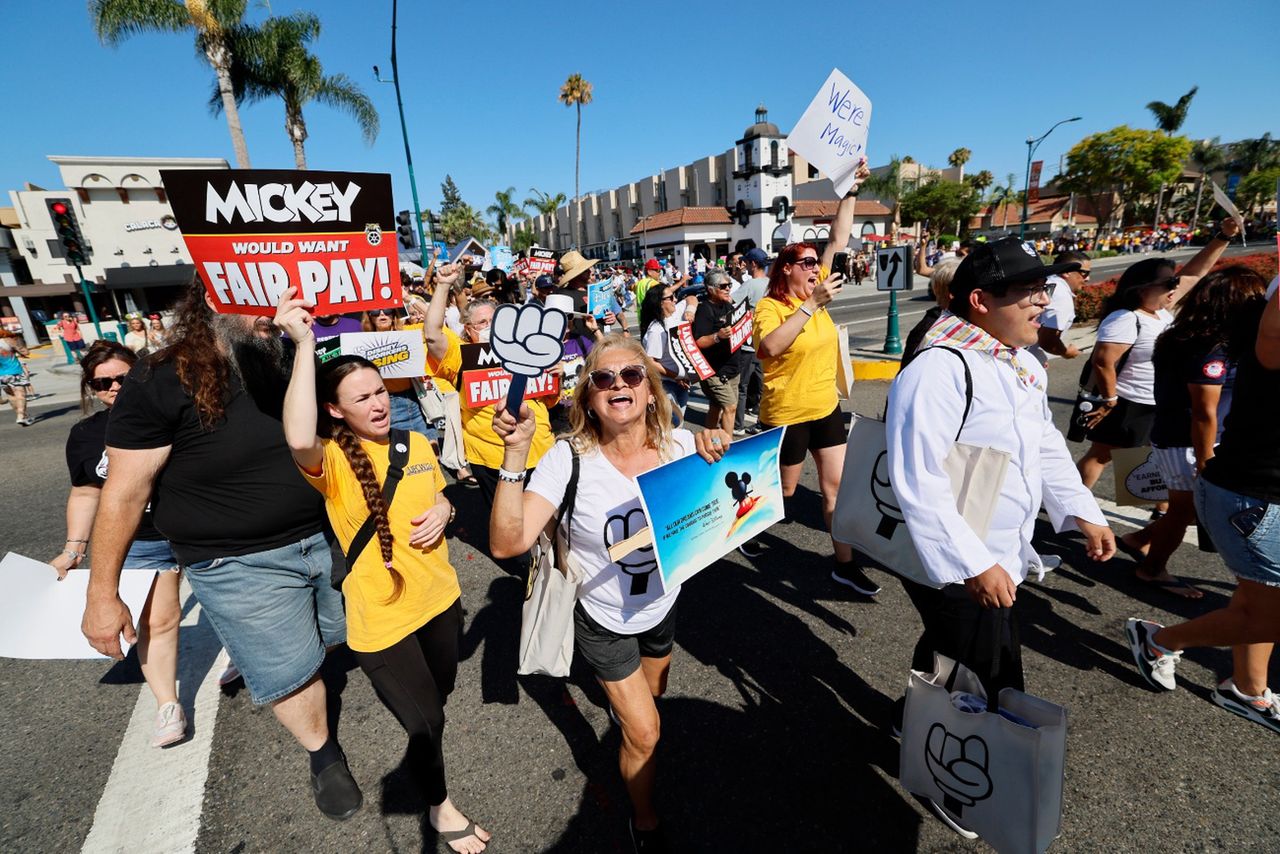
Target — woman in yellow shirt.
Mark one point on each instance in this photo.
(403, 602)
(798, 348)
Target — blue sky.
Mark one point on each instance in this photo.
(673, 82)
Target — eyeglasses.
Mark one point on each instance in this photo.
(668, 298)
(1170, 283)
(384, 311)
(1033, 291)
(105, 383)
(632, 375)
(807, 263)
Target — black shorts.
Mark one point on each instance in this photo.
(1128, 425)
(614, 657)
(825, 432)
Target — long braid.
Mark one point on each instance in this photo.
(362, 466)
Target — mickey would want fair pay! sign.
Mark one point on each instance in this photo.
(254, 232)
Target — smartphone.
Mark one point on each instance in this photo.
(843, 264)
(1247, 521)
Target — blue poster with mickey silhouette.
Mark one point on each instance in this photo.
(699, 513)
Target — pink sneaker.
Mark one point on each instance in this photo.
(229, 675)
(171, 725)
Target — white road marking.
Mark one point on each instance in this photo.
(153, 798)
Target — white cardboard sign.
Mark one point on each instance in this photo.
(397, 354)
(1227, 205)
(832, 132)
(40, 615)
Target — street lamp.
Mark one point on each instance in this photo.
(1032, 145)
(404, 130)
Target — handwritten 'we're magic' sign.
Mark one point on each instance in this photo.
(832, 133)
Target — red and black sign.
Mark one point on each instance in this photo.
(686, 352)
(483, 382)
(537, 262)
(254, 232)
(741, 326)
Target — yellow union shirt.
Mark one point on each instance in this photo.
(481, 444)
(799, 384)
(374, 621)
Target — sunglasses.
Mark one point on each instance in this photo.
(807, 263)
(632, 375)
(724, 287)
(105, 383)
(383, 311)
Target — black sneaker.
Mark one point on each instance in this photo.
(850, 575)
(754, 429)
(751, 548)
(897, 715)
(647, 841)
(336, 792)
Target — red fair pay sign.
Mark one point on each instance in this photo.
(482, 381)
(255, 232)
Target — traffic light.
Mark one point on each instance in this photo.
(405, 230)
(433, 227)
(68, 231)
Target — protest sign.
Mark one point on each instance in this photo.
(832, 132)
(482, 381)
(740, 326)
(538, 261)
(254, 232)
(328, 349)
(1228, 206)
(698, 513)
(685, 350)
(396, 354)
(1138, 479)
(40, 615)
(501, 257)
(602, 298)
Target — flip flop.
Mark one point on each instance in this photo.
(447, 836)
(1170, 586)
(469, 480)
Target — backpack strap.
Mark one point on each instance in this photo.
(968, 384)
(397, 459)
(565, 512)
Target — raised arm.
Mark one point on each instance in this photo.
(843, 225)
(433, 326)
(294, 317)
(1204, 260)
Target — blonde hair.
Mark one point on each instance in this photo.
(943, 272)
(416, 303)
(584, 426)
(366, 322)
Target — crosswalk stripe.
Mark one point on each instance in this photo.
(153, 798)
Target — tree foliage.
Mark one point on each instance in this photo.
(504, 208)
(959, 157)
(1257, 188)
(544, 203)
(451, 197)
(463, 221)
(941, 204)
(1128, 162)
(523, 239)
(1254, 155)
(1170, 117)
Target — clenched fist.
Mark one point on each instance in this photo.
(528, 338)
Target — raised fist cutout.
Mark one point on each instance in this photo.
(641, 563)
(528, 338)
(958, 766)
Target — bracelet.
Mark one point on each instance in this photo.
(510, 476)
(1222, 237)
(69, 540)
(73, 555)
(1111, 400)
(806, 311)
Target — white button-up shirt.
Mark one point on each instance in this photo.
(926, 404)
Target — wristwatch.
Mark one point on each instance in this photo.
(1222, 237)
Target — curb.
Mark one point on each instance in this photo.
(876, 370)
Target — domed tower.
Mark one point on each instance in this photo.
(761, 181)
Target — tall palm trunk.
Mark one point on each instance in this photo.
(577, 166)
(296, 127)
(220, 58)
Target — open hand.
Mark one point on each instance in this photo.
(428, 526)
(527, 338)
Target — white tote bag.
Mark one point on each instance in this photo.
(546, 618)
(1000, 778)
(440, 406)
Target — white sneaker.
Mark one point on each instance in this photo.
(1264, 709)
(171, 725)
(1156, 664)
(950, 821)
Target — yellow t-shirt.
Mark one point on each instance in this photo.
(799, 384)
(430, 583)
(481, 445)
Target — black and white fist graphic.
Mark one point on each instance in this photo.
(528, 338)
(958, 766)
(641, 563)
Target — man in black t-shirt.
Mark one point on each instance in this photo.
(712, 324)
(198, 427)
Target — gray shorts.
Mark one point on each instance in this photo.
(723, 393)
(614, 657)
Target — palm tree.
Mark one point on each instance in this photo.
(504, 208)
(274, 61)
(214, 22)
(1253, 155)
(981, 180)
(1170, 118)
(1212, 156)
(544, 203)
(958, 158)
(576, 92)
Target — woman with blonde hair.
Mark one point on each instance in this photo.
(624, 622)
(136, 338)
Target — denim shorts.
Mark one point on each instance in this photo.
(151, 554)
(274, 611)
(406, 414)
(1253, 557)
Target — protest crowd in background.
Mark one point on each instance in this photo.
(270, 445)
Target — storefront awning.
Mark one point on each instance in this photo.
(123, 278)
(55, 289)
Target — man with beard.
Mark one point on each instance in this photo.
(196, 429)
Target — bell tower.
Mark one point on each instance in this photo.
(761, 182)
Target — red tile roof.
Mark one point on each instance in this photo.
(1043, 210)
(682, 216)
(826, 208)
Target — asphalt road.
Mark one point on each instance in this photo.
(774, 729)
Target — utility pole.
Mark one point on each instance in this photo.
(1032, 145)
(404, 131)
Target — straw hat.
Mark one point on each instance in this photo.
(574, 265)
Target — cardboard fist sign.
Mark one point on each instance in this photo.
(528, 339)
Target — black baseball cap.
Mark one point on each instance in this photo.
(544, 283)
(997, 265)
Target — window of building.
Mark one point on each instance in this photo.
(813, 172)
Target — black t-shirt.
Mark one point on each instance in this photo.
(232, 490)
(1247, 459)
(1175, 370)
(710, 318)
(87, 464)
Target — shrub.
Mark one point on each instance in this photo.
(1090, 298)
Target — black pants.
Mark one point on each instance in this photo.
(414, 678)
(487, 480)
(750, 387)
(985, 640)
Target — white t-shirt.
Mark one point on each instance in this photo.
(625, 599)
(1061, 311)
(1136, 380)
(453, 319)
(657, 344)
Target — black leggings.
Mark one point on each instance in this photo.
(413, 679)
